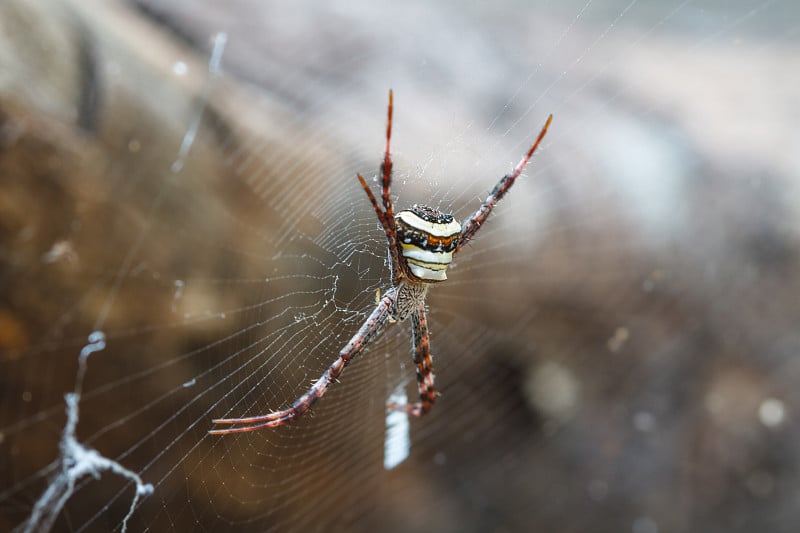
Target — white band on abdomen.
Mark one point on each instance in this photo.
(431, 228)
(411, 251)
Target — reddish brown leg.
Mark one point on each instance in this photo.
(424, 365)
(373, 324)
(386, 215)
(474, 223)
(386, 166)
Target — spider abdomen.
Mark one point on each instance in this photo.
(427, 238)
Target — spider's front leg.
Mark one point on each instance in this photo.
(386, 214)
(474, 223)
(423, 363)
(385, 309)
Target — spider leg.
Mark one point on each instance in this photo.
(386, 166)
(424, 364)
(474, 223)
(367, 331)
(386, 214)
(378, 210)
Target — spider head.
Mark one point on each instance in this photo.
(427, 238)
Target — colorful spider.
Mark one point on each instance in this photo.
(422, 242)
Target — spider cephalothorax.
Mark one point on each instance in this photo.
(421, 243)
(427, 238)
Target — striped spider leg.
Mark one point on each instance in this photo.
(421, 242)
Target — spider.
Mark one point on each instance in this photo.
(422, 242)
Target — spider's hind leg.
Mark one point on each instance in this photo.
(424, 365)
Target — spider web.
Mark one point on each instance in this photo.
(615, 350)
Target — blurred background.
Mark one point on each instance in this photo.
(616, 350)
